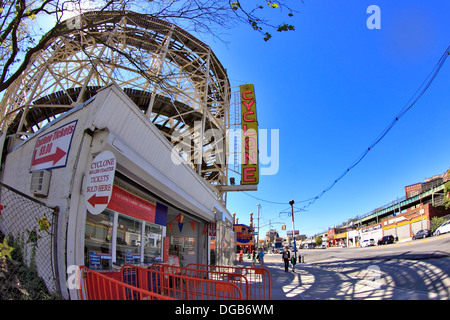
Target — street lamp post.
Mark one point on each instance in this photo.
(257, 235)
(293, 228)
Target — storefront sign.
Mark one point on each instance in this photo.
(51, 149)
(131, 205)
(249, 126)
(372, 228)
(100, 182)
(131, 256)
(243, 238)
(340, 235)
(244, 234)
(95, 259)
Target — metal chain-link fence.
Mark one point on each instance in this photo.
(27, 251)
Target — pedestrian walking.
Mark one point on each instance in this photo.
(261, 257)
(285, 256)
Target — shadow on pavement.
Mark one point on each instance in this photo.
(406, 276)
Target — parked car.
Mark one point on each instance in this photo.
(386, 240)
(367, 243)
(443, 228)
(421, 234)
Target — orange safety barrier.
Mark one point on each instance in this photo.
(238, 279)
(179, 286)
(96, 286)
(260, 281)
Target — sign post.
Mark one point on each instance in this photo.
(100, 182)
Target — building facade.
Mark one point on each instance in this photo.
(91, 133)
(157, 207)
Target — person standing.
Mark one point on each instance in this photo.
(286, 255)
(261, 257)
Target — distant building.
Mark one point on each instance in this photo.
(417, 188)
(271, 236)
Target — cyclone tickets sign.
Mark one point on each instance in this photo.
(51, 149)
(100, 181)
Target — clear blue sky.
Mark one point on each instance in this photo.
(331, 87)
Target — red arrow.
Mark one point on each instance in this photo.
(97, 200)
(55, 157)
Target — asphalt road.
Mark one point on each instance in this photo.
(408, 270)
(428, 248)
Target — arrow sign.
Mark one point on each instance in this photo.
(94, 200)
(52, 148)
(54, 157)
(100, 180)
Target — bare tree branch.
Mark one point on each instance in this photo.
(17, 17)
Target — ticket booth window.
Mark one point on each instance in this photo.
(153, 243)
(114, 239)
(98, 240)
(128, 240)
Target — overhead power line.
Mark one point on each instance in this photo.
(411, 102)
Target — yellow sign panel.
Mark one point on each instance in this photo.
(249, 126)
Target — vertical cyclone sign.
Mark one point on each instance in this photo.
(249, 126)
(100, 182)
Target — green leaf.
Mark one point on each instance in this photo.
(235, 5)
(285, 27)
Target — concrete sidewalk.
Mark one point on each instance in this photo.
(353, 280)
(285, 285)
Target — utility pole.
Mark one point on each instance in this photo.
(257, 236)
(293, 228)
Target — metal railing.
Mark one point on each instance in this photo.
(235, 278)
(178, 286)
(96, 286)
(259, 279)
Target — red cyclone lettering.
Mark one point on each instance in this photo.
(244, 95)
(245, 116)
(249, 174)
(248, 105)
(251, 132)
